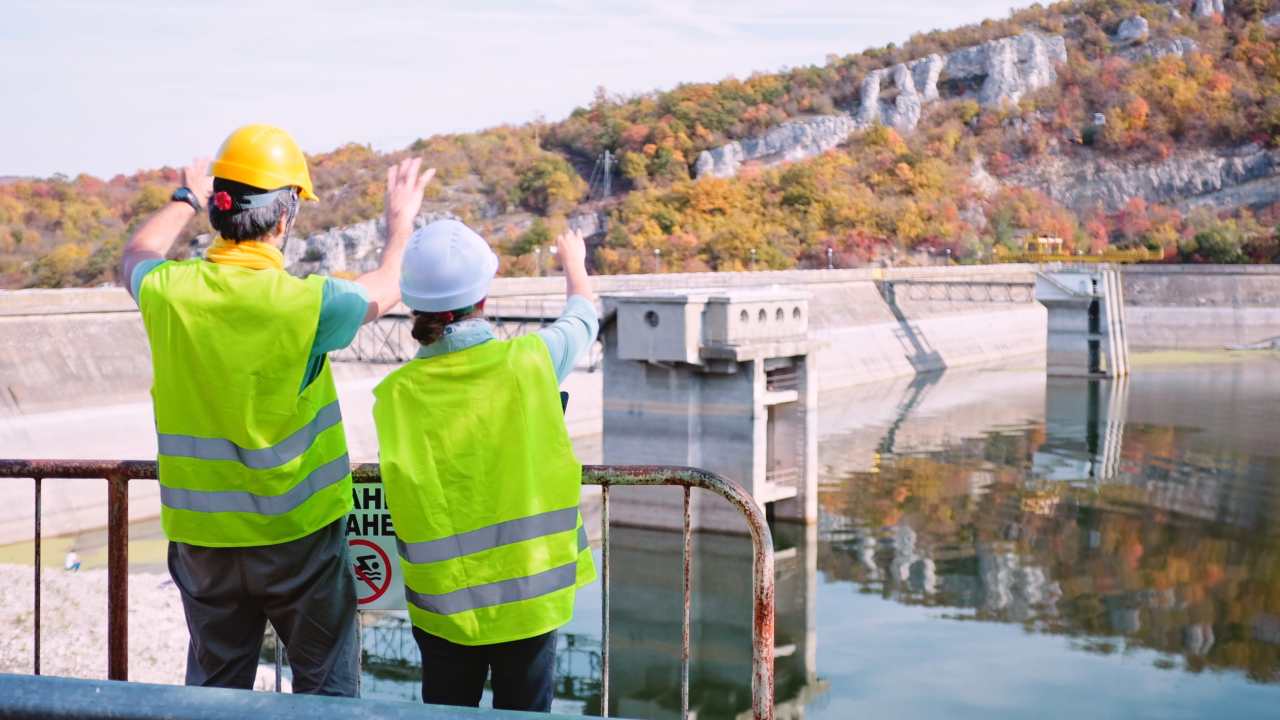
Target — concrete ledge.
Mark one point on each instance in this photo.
(31, 697)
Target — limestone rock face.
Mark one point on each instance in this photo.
(790, 141)
(1156, 49)
(1248, 175)
(904, 113)
(1207, 8)
(996, 72)
(1132, 30)
(587, 223)
(1003, 82)
(869, 106)
(925, 73)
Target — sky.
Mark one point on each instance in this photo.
(107, 86)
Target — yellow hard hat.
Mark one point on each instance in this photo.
(266, 157)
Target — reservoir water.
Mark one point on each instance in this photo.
(995, 544)
(991, 544)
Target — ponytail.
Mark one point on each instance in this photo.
(428, 327)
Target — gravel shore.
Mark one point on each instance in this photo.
(73, 627)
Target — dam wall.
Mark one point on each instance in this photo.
(61, 349)
(64, 349)
(1200, 307)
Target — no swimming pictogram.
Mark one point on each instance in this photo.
(371, 541)
(372, 568)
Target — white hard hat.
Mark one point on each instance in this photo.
(447, 266)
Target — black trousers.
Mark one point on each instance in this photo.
(303, 587)
(523, 672)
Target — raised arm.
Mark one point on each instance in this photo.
(572, 249)
(153, 239)
(404, 198)
(576, 328)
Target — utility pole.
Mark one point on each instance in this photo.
(608, 173)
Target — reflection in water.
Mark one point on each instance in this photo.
(1120, 524)
(647, 605)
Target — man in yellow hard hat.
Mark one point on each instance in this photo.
(255, 482)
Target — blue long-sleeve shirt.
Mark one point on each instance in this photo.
(566, 338)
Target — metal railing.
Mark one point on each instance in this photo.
(962, 290)
(118, 474)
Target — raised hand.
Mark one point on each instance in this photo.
(404, 196)
(571, 247)
(196, 178)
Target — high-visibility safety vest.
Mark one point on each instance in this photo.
(245, 458)
(483, 489)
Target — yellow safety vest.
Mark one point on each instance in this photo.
(483, 489)
(245, 458)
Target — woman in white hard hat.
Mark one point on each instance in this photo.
(481, 480)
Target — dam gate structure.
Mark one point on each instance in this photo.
(1087, 334)
(721, 379)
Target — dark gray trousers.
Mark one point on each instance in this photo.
(522, 672)
(303, 587)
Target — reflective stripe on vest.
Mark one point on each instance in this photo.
(268, 457)
(504, 591)
(212, 501)
(504, 533)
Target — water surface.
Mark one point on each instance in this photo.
(993, 544)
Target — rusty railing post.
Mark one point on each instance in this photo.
(762, 641)
(687, 561)
(604, 600)
(36, 618)
(117, 577)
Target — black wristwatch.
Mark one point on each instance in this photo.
(184, 194)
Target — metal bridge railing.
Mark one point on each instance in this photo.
(118, 474)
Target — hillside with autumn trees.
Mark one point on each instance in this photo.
(963, 183)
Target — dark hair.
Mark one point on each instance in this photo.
(428, 327)
(252, 223)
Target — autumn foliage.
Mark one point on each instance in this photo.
(952, 190)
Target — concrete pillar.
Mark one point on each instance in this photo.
(1087, 334)
(716, 380)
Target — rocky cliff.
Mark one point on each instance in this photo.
(993, 73)
(790, 141)
(355, 249)
(1248, 175)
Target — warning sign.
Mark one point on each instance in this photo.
(372, 550)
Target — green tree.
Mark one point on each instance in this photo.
(549, 186)
(537, 235)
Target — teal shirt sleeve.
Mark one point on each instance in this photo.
(342, 310)
(571, 334)
(140, 271)
(343, 305)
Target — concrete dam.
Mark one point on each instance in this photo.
(75, 369)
